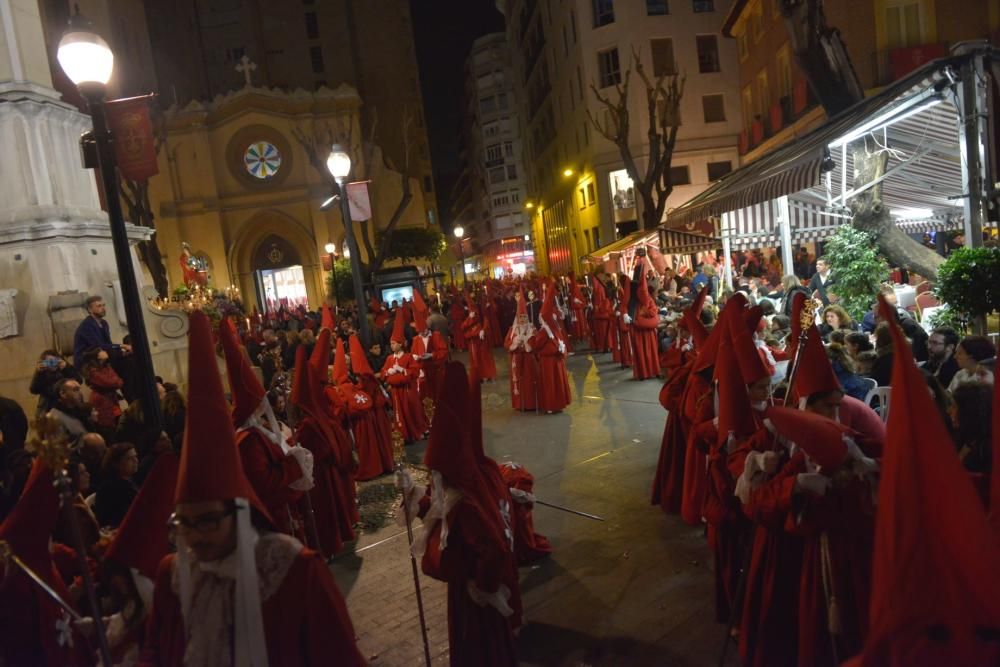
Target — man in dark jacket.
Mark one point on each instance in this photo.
(941, 354)
(95, 332)
(822, 280)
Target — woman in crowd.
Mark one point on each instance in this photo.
(90, 529)
(858, 342)
(789, 286)
(881, 370)
(835, 318)
(846, 372)
(117, 492)
(975, 356)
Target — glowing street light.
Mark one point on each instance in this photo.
(567, 172)
(459, 232)
(339, 165)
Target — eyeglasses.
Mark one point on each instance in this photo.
(205, 523)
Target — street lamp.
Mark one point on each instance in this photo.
(459, 232)
(331, 250)
(339, 164)
(88, 62)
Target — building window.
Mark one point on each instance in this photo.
(757, 22)
(487, 104)
(511, 172)
(748, 110)
(491, 130)
(680, 175)
(497, 175)
(663, 57)
(714, 108)
(703, 6)
(316, 56)
(312, 26)
(604, 12)
(591, 194)
(903, 24)
(583, 199)
(622, 190)
(708, 53)
(428, 184)
(494, 153)
(763, 93)
(596, 233)
(608, 68)
(508, 148)
(657, 7)
(586, 134)
(502, 101)
(742, 47)
(515, 197)
(784, 63)
(717, 170)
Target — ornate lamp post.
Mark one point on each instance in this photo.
(88, 62)
(331, 250)
(339, 164)
(459, 231)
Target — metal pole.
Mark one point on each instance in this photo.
(973, 137)
(108, 169)
(336, 289)
(461, 260)
(785, 223)
(352, 244)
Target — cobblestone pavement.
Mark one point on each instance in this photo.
(635, 589)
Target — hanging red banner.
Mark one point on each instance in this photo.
(132, 131)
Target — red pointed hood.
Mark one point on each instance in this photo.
(141, 541)
(706, 354)
(303, 394)
(398, 335)
(815, 372)
(751, 317)
(995, 478)
(934, 565)
(319, 361)
(692, 318)
(449, 451)
(576, 293)
(340, 363)
(735, 412)
(642, 289)
(246, 390)
(407, 311)
(420, 312)
(798, 302)
(747, 355)
(327, 321)
(29, 525)
(210, 467)
(821, 438)
(359, 360)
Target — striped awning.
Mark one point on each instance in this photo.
(605, 253)
(796, 166)
(678, 242)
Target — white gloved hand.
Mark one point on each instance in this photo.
(770, 462)
(627, 319)
(482, 335)
(862, 464)
(812, 482)
(562, 347)
(522, 497)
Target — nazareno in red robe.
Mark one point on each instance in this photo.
(480, 352)
(529, 546)
(410, 418)
(479, 636)
(669, 478)
(332, 500)
(698, 409)
(305, 620)
(431, 368)
(523, 375)
(374, 450)
(270, 472)
(457, 316)
(553, 384)
(646, 354)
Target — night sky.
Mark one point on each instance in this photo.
(444, 31)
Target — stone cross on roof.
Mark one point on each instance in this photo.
(246, 67)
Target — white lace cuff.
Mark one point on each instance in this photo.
(753, 470)
(497, 600)
(304, 458)
(522, 497)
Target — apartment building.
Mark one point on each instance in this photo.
(490, 193)
(885, 39)
(579, 195)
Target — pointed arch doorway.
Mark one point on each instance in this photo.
(278, 275)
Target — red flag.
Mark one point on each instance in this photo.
(135, 148)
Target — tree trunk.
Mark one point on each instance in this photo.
(136, 197)
(650, 219)
(872, 216)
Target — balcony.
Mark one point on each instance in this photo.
(893, 64)
(777, 118)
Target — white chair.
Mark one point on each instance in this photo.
(881, 396)
(872, 385)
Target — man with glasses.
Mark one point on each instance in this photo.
(249, 595)
(941, 352)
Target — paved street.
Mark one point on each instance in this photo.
(634, 590)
